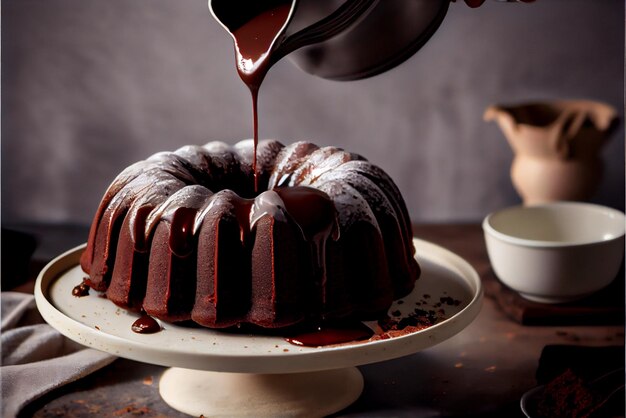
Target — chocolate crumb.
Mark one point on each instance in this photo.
(567, 395)
(133, 410)
(397, 325)
(449, 301)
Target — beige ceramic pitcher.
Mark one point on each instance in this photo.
(556, 146)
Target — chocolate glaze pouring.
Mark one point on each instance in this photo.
(255, 38)
(344, 39)
(259, 31)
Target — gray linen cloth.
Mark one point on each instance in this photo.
(35, 357)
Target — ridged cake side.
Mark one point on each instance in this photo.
(183, 236)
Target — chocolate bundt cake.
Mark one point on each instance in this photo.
(184, 236)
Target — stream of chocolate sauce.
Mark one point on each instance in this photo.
(253, 49)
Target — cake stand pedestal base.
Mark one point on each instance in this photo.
(259, 375)
(218, 394)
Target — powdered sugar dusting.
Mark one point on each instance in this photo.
(351, 206)
(288, 160)
(189, 197)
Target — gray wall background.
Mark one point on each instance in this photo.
(90, 86)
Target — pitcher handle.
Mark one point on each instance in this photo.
(569, 124)
(346, 15)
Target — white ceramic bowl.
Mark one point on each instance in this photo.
(557, 252)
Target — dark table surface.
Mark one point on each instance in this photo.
(482, 371)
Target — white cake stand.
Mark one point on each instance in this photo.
(215, 373)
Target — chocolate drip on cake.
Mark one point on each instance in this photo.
(316, 216)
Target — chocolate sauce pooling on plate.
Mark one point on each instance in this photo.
(146, 325)
(330, 335)
(80, 290)
(182, 231)
(253, 46)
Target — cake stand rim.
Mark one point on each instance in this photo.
(300, 359)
